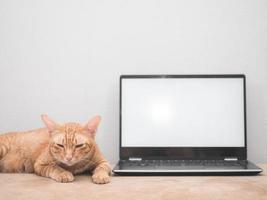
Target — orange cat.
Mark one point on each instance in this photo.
(57, 151)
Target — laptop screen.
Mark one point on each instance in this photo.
(182, 112)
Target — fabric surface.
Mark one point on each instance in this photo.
(30, 186)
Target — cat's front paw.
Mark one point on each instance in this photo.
(64, 177)
(101, 178)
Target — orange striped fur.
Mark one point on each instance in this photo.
(57, 151)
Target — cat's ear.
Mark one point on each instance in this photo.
(49, 123)
(91, 126)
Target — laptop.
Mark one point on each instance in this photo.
(183, 125)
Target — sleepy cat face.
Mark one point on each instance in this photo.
(71, 143)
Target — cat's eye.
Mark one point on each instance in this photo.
(60, 145)
(79, 145)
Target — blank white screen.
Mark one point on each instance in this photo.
(182, 112)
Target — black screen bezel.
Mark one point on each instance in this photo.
(184, 152)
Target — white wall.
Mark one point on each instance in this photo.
(64, 57)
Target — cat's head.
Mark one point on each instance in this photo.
(71, 143)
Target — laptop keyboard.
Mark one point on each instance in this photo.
(173, 163)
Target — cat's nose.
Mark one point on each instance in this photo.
(68, 158)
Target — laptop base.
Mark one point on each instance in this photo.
(247, 169)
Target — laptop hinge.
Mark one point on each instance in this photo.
(135, 159)
(231, 159)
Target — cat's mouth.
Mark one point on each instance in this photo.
(69, 163)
